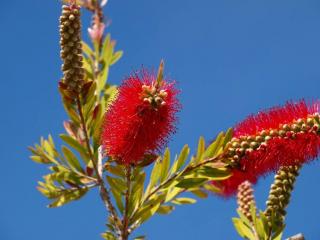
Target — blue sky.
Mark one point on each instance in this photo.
(230, 57)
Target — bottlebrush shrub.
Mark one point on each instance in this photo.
(137, 126)
(280, 136)
(141, 118)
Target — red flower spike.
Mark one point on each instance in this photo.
(141, 119)
(280, 136)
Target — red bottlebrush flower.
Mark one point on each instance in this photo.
(141, 119)
(280, 136)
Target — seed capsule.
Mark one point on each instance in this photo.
(254, 145)
(282, 133)
(295, 127)
(310, 121)
(286, 127)
(267, 138)
(235, 144)
(274, 133)
(244, 144)
(259, 139)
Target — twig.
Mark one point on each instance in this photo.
(125, 221)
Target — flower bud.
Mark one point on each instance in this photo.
(245, 199)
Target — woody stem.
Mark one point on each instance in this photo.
(125, 222)
(104, 193)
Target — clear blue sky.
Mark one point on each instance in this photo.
(230, 57)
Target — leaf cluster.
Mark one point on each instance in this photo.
(260, 227)
(71, 171)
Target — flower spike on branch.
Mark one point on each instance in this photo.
(245, 199)
(280, 193)
(141, 118)
(71, 49)
(281, 136)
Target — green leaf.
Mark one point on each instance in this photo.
(118, 188)
(39, 159)
(148, 210)
(136, 192)
(87, 65)
(47, 147)
(72, 113)
(165, 165)
(172, 193)
(243, 218)
(107, 47)
(200, 151)
(265, 222)
(106, 58)
(200, 193)
(214, 147)
(50, 139)
(108, 236)
(191, 182)
(103, 76)
(90, 92)
(228, 136)
(260, 229)
(214, 173)
(183, 200)
(71, 159)
(68, 196)
(76, 145)
(243, 230)
(181, 159)
(118, 198)
(117, 170)
(117, 184)
(165, 209)
(278, 233)
(155, 175)
(253, 212)
(87, 50)
(209, 187)
(116, 56)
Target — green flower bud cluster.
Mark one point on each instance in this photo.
(239, 147)
(245, 199)
(280, 193)
(71, 49)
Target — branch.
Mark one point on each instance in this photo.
(104, 193)
(183, 172)
(125, 221)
